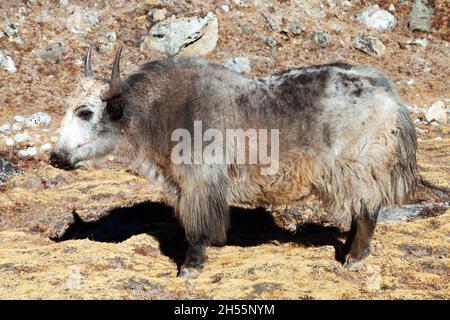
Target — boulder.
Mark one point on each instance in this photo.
(370, 45)
(437, 112)
(185, 36)
(375, 18)
(420, 16)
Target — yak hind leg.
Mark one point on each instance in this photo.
(204, 214)
(357, 244)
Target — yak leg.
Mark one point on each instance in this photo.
(358, 241)
(204, 213)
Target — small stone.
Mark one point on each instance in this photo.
(106, 41)
(45, 147)
(11, 30)
(271, 42)
(271, 22)
(28, 152)
(53, 139)
(75, 21)
(410, 82)
(19, 118)
(9, 141)
(20, 137)
(7, 170)
(38, 119)
(238, 64)
(391, 8)
(246, 29)
(296, 27)
(7, 63)
(17, 126)
(437, 112)
(240, 3)
(375, 18)
(225, 8)
(321, 38)
(370, 45)
(5, 128)
(421, 42)
(63, 3)
(347, 4)
(91, 18)
(336, 27)
(156, 14)
(53, 52)
(420, 16)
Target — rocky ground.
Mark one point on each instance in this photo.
(105, 233)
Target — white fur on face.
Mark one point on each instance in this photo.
(85, 140)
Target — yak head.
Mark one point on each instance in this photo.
(90, 128)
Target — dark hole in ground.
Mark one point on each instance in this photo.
(249, 227)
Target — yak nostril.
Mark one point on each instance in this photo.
(60, 160)
(54, 159)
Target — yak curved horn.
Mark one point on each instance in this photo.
(115, 88)
(88, 72)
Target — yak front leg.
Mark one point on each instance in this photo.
(204, 214)
(358, 241)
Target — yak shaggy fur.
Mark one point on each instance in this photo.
(345, 137)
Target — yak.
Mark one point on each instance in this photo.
(344, 137)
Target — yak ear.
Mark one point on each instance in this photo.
(116, 86)
(88, 72)
(114, 108)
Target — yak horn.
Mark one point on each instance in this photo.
(115, 88)
(88, 72)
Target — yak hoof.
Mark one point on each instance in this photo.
(189, 272)
(352, 264)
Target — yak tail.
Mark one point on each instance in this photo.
(403, 178)
(439, 191)
(408, 181)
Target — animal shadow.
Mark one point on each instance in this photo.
(249, 227)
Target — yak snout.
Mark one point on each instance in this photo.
(61, 160)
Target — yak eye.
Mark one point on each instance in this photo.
(85, 114)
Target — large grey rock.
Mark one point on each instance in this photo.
(7, 63)
(420, 16)
(186, 36)
(375, 18)
(411, 212)
(370, 45)
(238, 64)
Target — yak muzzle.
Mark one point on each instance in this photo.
(60, 161)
